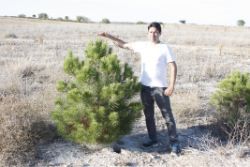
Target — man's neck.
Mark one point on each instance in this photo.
(155, 42)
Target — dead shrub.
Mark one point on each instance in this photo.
(21, 128)
(239, 134)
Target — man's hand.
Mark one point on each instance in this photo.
(103, 34)
(169, 91)
(118, 42)
(173, 70)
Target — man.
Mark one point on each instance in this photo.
(155, 57)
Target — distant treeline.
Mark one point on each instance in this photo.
(80, 19)
(84, 19)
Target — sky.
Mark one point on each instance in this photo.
(209, 12)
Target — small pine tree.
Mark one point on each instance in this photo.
(232, 98)
(96, 105)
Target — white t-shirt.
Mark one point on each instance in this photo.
(154, 59)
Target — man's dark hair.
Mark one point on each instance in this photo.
(155, 25)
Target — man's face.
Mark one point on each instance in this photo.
(153, 35)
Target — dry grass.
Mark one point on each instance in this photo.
(26, 99)
(31, 64)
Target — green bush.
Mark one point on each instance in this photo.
(66, 18)
(43, 16)
(105, 21)
(140, 22)
(22, 15)
(60, 19)
(182, 21)
(82, 19)
(241, 22)
(232, 99)
(96, 105)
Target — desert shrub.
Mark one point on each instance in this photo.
(60, 19)
(96, 105)
(66, 18)
(182, 21)
(21, 15)
(232, 101)
(140, 22)
(105, 21)
(11, 35)
(43, 16)
(82, 19)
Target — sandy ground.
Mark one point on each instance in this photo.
(198, 149)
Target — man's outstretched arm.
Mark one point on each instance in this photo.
(118, 42)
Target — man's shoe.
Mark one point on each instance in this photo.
(149, 143)
(175, 148)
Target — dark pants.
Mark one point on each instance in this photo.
(149, 95)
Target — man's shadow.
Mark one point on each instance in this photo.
(197, 137)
